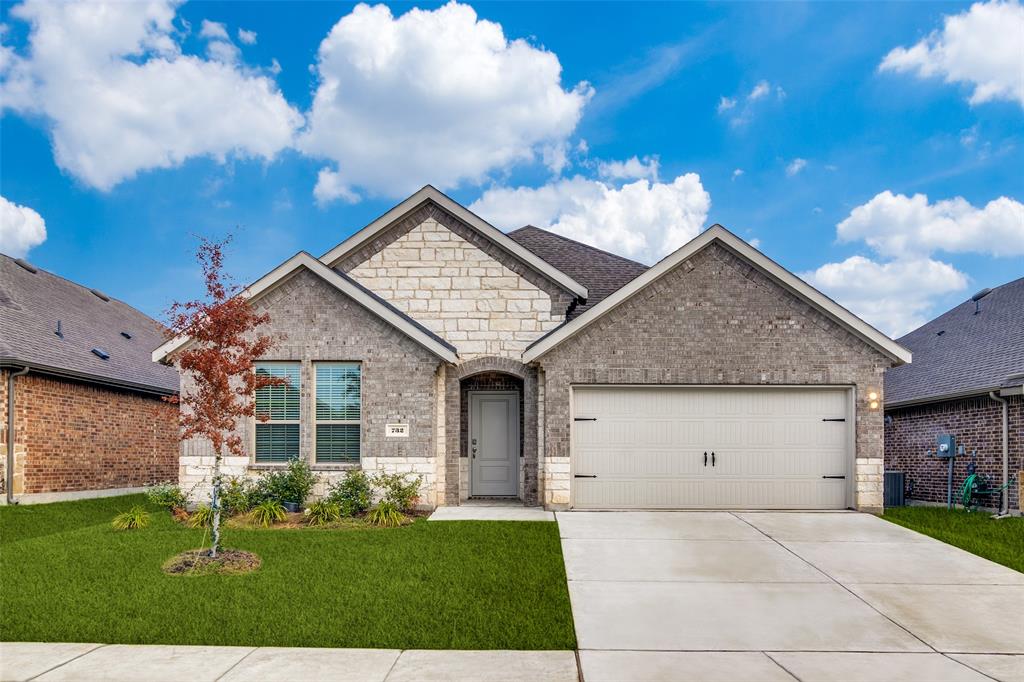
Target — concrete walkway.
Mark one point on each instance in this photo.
(135, 663)
(783, 596)
(491, 510)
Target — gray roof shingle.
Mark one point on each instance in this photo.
(602, 273)
(959, 353)
(32, 303)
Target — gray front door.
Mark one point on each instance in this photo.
(494, 444)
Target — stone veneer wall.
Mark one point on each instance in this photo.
(714, 319)
(314, 322)
(73, 436)
(459, 285)
(977, 424)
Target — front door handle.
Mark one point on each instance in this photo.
(712, 458)
(705, 458)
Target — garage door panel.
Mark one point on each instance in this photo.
(772, 448)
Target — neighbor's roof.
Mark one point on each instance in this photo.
(962, 353)
(31, 305)
(602, 273)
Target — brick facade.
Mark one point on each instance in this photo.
(714, 319)
(73, 436)
(977, 424)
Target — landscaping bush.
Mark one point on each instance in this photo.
(238, 496)
(402, 493)
(167, 495)
(386, 514)
(291, 484)
(322, 512)
(268, 512)
(352, 494)
(133, 519)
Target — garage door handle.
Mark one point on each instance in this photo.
(712, 459)
(705, 458)
(833, 476)
(585, 476)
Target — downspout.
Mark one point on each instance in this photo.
(1004, 501)
(9, 482)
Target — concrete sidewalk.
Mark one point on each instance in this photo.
(159, 663)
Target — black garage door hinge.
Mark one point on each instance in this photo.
(584, 419)
(833, 476)
(834, 419)
(585, 476)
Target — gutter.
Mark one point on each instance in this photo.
(1004, 498)
(9, 478)
(88, 378)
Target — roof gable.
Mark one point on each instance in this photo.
(786, 279)
(963, 353)
(496, 236)
(345, 285)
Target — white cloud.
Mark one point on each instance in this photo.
(900, 226)
(980, 47)
(223, 51)
(119, 97)
(213, 30)
(434, 96)
(21, 229)
(737, 173)
(640, 220)
(740, 109)
(896, 297)
(246, 37)
(795, 166)
(331, 186)
(632, 168)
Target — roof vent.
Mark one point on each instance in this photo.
(101, 354)
(25, 264)
(977, 299)
(940, 332)
(60, 330)
(126, 335)
(99, 294)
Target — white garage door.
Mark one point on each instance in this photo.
(723, 447)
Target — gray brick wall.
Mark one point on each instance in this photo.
(715, 319)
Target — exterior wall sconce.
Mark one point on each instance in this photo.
(873, 400)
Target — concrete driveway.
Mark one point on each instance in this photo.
(783, 596)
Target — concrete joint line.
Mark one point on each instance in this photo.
(393, 664)
(234, 665)
(824, 573)
(74, 658)
(784, 668)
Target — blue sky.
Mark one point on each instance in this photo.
(874, 148)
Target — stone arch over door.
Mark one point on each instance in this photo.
(454, 416)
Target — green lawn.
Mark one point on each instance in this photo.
(1000, 540)
(67, 576)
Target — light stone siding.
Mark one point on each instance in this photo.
(714, 319)
(459, 292)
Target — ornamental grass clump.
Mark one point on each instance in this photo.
(202, 517)
(267, 513)
(322, 512)
(133, 519)
(386, 514)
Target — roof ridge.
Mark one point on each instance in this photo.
(578, 243)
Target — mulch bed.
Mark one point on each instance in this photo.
(199, 562)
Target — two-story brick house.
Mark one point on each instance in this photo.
(527, 365)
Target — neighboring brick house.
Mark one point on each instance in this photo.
(527, 365)
(88, 415)
(966, 378)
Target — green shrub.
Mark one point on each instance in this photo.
(323, 512)
(402, 493)
(267, 512)
(294, 483)
(133, 519)
(386, 514)
(238, 496)
(167, 495)
(202, 517)
(352, 494)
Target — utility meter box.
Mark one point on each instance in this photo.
(946, 446)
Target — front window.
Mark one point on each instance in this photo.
(277, 438)
(338, 411)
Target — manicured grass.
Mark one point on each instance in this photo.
(1001, 541)
(66, 575)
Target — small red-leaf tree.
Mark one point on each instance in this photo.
(220, 359)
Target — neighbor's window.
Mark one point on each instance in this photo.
(277, 439)
(337, 411)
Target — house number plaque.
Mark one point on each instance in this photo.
(396, 430)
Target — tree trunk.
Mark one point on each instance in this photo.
(215, 507)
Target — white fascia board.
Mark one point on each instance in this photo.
(466, 216)
(303, 259)
(790, 281)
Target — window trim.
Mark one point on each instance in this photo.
(255, 421)
(327, 422)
